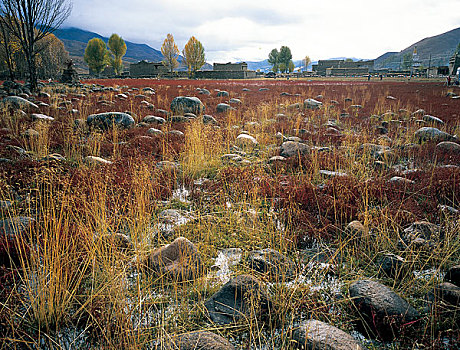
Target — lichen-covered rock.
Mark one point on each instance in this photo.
(95, 161)
(278, 266)
(153, 119)
(381, 309)
(428, 133)
(292, 148)
(311, 103)
(246, 141)
(201, 340)
(421, 234)
(317, 335)
(448, 147)
(241, 297)
(184, 104)
(178, 261)
(17, 102)
(108, 120)
(224, 107)
(392, 266)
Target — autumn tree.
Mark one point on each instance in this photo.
(30, 21)
(52, 57)
(284, 58)
(407, 60)
(117, 48)
(291, 66)
(273, 59)
(10, 47)
(96, 55)
(306, 62)
(170, 53)
(193, 53)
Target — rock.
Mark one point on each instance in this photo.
(167, 165)
(153, 119)
(56, 157)
(428, 133)
(154, 131)
(277, 160)
(447, 292)
(246, 141)
(384, 311)
(17, 102)
(179, 119)
(448, 147)
(200, 340)
(422, 233)
(401, 180)
(31, 133)
(235, 101)
(15, 226)
(204, 92)
(317, 335)
(432, 119)
(241, 297)
(264, 89)
(392, 266)
(291, 148)
(179, 261)
(182, 104)
(224, 107)
(331, 174)
(175, 133)
(119, 241)
(41, 117)
(107, 120)
(356, 229)
(453, 275)
(94, 161)
(222, 94)
(208, 119)
(231, 157)
(377, 151)
(311, 103)
(279, 267)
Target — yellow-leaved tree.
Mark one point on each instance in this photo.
(170, 53)
(193, 53)
(118, 49)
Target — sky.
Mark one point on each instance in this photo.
(247, 30)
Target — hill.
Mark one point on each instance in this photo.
(440, 47)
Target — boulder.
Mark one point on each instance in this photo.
(235, 101)
(292, 148)
(428, 133)
(224, 107)
(183, 104)
(15, 226)
(154, 131)
(453, 275)
(107, 120)
(432, 119)
(317, 335)
(153, 119)
(41, 117)
(94, 161)
(448, 293)
(278, 266)
(381, 309)
(448, 147)
(311, 103)
(179, 261)
(246, 141)
(200, 340)
(241, 297)
(209, 119)
(392, 266)
(222, 94)
(17, 102)
(421, 234)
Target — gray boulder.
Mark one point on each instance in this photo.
(421, 234)
(311, 103)
(183, 104)
(292, 148)
(209, 119)
(14, 226)
(17, 102)
(241, 297)
(317, 335)
(428, 133)
(448, 147)
(392, 266)
(153, 119)
(381, 309)
(448, 293)
(224, 107)
(222, 94)
(453, 275)
(200, 340)
(107, 120)
(278, 266)
(432, 119)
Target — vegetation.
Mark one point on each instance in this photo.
(306, 62)
(281, 60)
(273, 59)
(193, 53)
(170, 53)
(117, 48)
(407, 61)
(29, 22)
(96, 55)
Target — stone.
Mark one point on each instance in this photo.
(421, 234)
(291, 148)
(453, 275)
(94, 161)
(199, 340)
(69, 75)
(448, 147)
(179, 261)
(317, 335)
(401, 180)
(447, 292)
(41, 117)
(175, 133)
(183, 104)
(56, 157)
(17, 102)
(154, 131)
(107, 120)
(277, 160)
(204, 92)
(222, 94)
(356, 228)
(209, 119)
(311, 103)
(231, 157)
(224, 107)
(153, 119)
(428, 133)
(246, 141)
(278, 266)
(15, 226)
(167, 165)
(432, 119)
(392, 266)
(179, 119)
(381, 309)
(31, 133)
(235, 101)
(241, 297)
(119, 241)
(332, 174)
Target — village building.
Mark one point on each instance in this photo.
(227, 71)
(454, 64)
(343, 67)
(145, 69)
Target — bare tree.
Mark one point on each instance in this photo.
(30, 21)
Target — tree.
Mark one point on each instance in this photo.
(407, 61)
(117, 48)
(96, 55)
(170, 53)
(10, 46)
(194, 55)
(284, 57)
(30, 21)
(306, 62)
(51, 58)
(273, 59)
(291, 66)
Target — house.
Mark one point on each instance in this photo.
(144, 69)
(227, 71)
(343, 67)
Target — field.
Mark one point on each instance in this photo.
(359, 195)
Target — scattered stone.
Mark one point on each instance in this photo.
(452, 148)
(311, 103)
(291, 148)
(389, 97)
(154, 131)
(204, 92)
(241, 297)
(107, 120)
(179, 119)
(31, 133)
(15, 226)
(448, 292)
(235, 101)
(152, 119)
(331, 174)
(167, 165)
(184, 104)
(175, 133)
(317, 335)
(41, 117)
(17, 102)
(382, 310)
(401, 180)
(453, 275)
(179, 261)
(200, 340)
(392, 266)
(264, 89)
(428, 133)
(421, 234)
(278, 266)
(222, 94)
(432, 120)
(246, 141)
(56, 157)
(224, 107)
(94, 161)
(232, 157)
(119, 241)
(208, 119)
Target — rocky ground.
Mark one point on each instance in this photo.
(230, 215)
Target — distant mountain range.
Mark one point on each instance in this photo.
(440, 48)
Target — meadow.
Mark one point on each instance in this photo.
(303, 187)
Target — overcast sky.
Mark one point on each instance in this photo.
(248, 30)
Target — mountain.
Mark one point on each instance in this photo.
(440, 47)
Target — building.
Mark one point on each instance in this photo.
(227, 71)
(144, 69)
(343, 67)
(454, 64)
